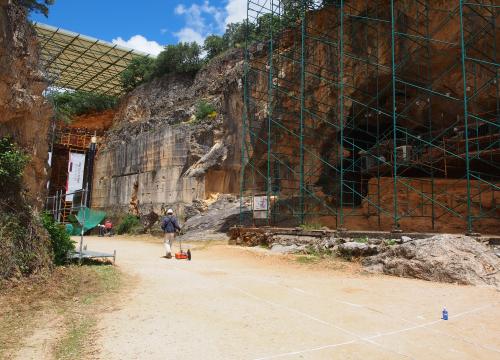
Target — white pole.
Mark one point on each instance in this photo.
(83, 204)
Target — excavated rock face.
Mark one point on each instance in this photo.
(157, 144)
(24, 117)
(367, 77)
(445, 258)
(24, 114)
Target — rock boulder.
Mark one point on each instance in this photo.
(444, 258)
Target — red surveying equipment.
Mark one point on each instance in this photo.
(183, 255)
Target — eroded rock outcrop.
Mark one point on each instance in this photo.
(24, 113)
(25, 118)
(444, 258)
(158, 155)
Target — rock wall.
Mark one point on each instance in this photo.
(24, 114)
(157, 155)
(146, 172)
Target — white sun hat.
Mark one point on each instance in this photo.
(170, 211)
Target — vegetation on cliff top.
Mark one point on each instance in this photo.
(69, 104)
(190, 57)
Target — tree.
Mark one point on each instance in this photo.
(41, 6)
(237, 33)
(265, 24)
(292, 10)
(69, 104)
(214, 45)
(139, 70)
(180, 58)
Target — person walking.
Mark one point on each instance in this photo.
(169, 225)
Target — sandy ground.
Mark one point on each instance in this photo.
(235, 303)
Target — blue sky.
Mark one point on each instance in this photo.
(145, 25)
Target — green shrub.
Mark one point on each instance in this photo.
(127, 224)
(390, 242)
(139, 70)
(214, 45)
(236, 34)
(70, 104)
(204, 109)
(363, 240)
(179, 58)
(24, 246)
(12, 163)
(59, 238)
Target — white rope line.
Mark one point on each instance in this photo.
(369, 339)
(298, 352)
(455, 337)
(308, 316)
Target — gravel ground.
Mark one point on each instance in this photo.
(238, 303)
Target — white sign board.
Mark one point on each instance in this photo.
(76, 168)
(260, 203)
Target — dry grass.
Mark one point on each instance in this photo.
(70, 295)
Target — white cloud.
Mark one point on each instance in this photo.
(201, 20)
(236, 11)
(190, 35)
(139, 42)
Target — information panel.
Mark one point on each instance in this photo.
(76, 168)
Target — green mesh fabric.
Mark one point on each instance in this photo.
(92, 219)
(70, 229)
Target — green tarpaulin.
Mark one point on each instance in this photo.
(91, 218)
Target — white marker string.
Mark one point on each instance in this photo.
(308, 316)
(464, 339)
(298, 352)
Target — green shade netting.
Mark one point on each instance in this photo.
(92, 219)
(69, 229)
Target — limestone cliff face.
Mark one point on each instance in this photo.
(24, 117)
(158, 156)
(24, 114)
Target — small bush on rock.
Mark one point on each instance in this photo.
(12, 163)
(205, 110)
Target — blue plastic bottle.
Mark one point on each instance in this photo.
(445, 314)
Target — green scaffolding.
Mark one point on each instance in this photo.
(352, 113)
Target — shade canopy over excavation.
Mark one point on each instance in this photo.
(78, 62)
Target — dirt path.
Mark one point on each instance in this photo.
(233, 303)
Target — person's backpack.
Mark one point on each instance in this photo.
(166, 221)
